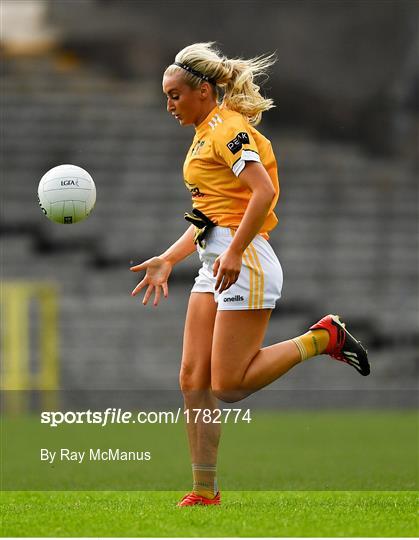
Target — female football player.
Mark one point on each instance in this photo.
(231, 173)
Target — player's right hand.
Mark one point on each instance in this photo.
(157, 273)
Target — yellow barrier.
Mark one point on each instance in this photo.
(29, 364)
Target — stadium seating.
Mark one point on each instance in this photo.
(344, 236)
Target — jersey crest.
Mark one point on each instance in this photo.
(197, 148)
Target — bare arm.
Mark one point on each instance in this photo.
(255, 177)
(182, 248)
(227, 266)
(158, 269)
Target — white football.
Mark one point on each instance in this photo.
(66, 194)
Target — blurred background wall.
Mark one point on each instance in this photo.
(81, 84)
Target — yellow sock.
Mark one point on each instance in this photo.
(204, 480)
(312, 343)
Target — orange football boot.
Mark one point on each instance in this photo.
(192, 499)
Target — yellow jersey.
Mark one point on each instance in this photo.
(223, 143)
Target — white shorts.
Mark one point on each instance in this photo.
(260, 280)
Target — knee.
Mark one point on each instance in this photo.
(191, 380)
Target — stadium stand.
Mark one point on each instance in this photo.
(365, 208)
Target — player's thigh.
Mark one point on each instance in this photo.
(195, 372)
(238, 337)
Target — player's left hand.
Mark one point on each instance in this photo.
(226, 269)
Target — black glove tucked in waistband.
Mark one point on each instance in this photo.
(202, 225)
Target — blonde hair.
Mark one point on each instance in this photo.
(234, 78)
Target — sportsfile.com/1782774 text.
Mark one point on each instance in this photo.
(113, 415)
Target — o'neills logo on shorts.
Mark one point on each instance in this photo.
(236, 298)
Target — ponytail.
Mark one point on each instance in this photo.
(234, 79)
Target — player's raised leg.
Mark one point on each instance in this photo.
(195, 382)
(240, 366)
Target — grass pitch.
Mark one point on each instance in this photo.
(107, 514)
(302, 453)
